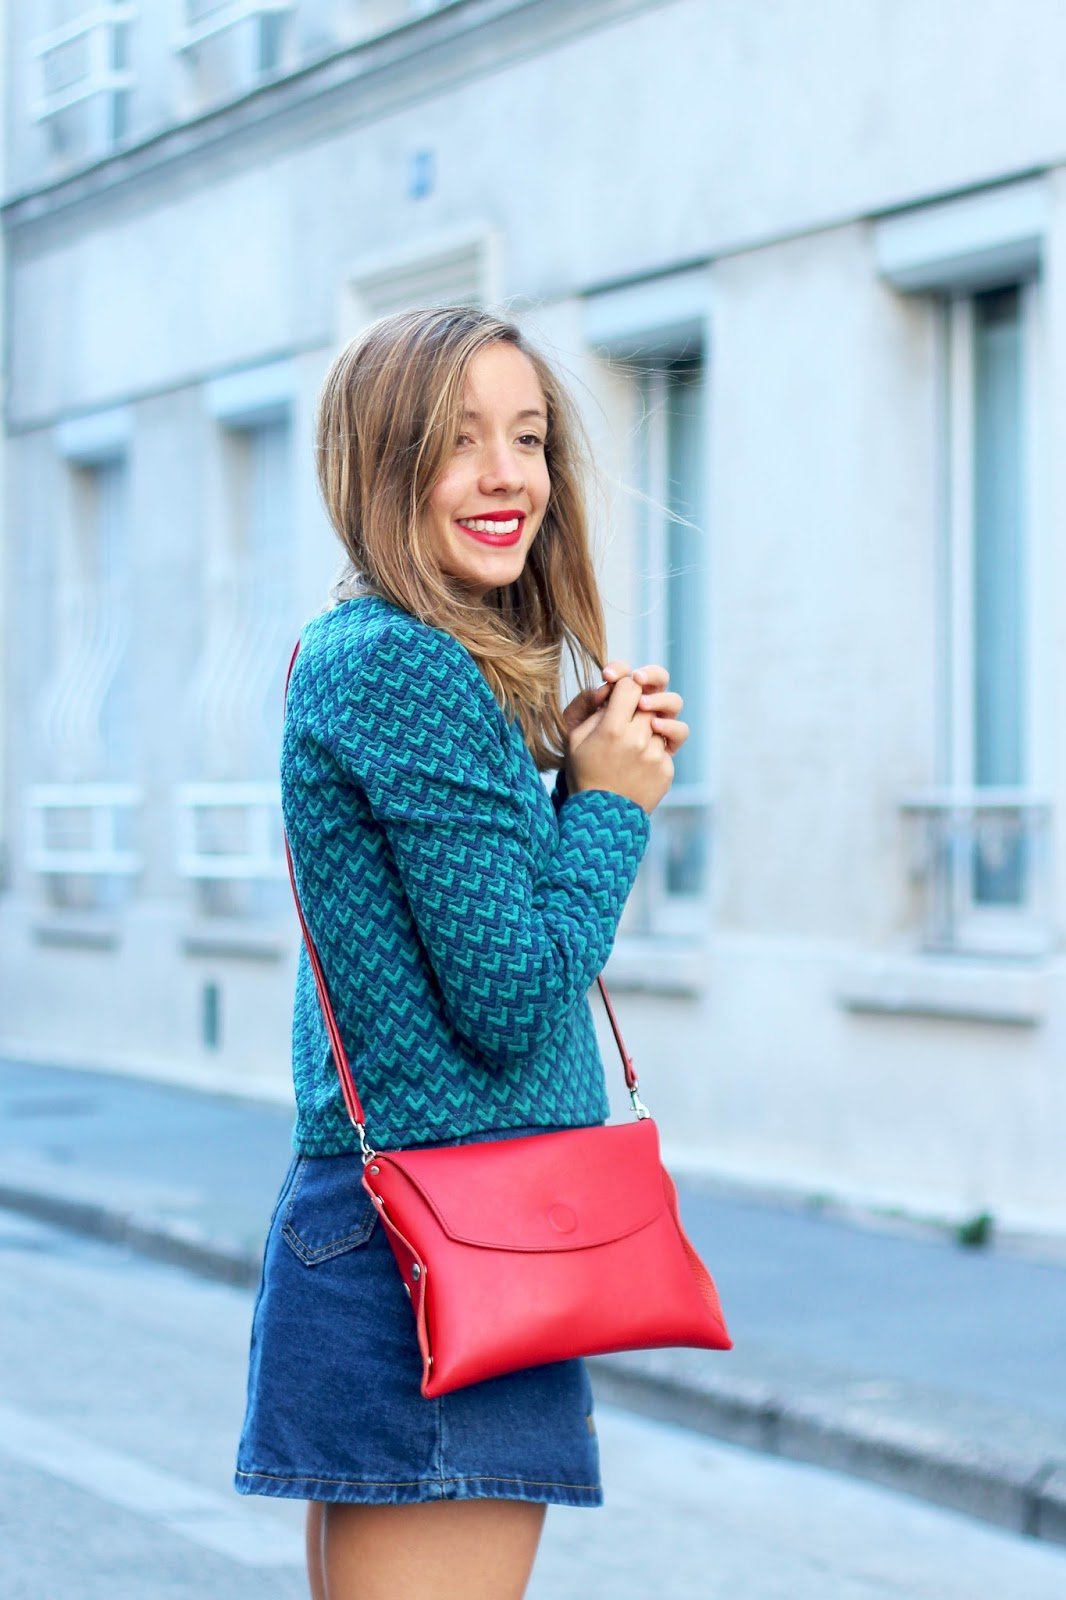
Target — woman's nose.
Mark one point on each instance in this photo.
(501, 468)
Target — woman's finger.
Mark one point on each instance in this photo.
(667, 704)
(675, 733)
(654, 676)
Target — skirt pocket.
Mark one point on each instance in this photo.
(328, 1211)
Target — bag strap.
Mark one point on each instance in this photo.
(353, 1104)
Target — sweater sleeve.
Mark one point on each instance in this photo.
(513, 948)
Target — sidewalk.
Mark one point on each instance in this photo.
(899, 1358)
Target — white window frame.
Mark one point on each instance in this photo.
(647, 326)
(970, 819)
(264, 857)
(94, 25)
(950, 251)
(95, 618)
(193, 30)
(656, 911)
(238, 403)
(955, 826)
(103, 803)
(231, 885)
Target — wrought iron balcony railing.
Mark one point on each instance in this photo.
(983, 856)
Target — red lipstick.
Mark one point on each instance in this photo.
(484, 535)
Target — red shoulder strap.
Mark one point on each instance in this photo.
(340, 1056)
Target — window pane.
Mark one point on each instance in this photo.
(120, 46)
(109, 536)
(269, 517)
(672, 459)
(998, 559)
(119, 116)
(268, 533)
(269, 42)
(686, 620)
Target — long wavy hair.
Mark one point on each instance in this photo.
(388, 420)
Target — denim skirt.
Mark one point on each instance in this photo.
(334, 1408)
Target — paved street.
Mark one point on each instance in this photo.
(890, 1353)
(121, 1392)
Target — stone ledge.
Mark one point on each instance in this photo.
(980, 990)
(235, 939)
(658, 965)
(74, 932)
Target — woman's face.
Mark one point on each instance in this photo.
(485, 508)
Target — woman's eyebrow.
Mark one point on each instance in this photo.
(533, 411)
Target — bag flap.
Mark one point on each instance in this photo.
(568, 1190)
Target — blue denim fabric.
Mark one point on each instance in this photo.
(334, 1408)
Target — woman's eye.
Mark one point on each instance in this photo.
(531, 440)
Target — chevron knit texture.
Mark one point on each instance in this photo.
(460, 912)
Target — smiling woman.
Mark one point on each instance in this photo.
(422, 425)
(487, 506)
(460, 916)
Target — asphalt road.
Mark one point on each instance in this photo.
(121, 1395)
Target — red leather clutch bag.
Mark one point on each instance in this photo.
(523, 1251)
(536, 1249)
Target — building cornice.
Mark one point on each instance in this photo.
(356, 85)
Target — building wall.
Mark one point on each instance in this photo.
(5, 854)
(643, 178)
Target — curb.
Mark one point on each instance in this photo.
(167, 1242)
(1025, 1494)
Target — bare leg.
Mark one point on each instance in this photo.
(316, 1576)
(435, 1550)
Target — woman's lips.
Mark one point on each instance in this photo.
(483, 529)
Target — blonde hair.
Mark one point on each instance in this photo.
(388, 419)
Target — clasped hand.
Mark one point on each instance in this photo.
(651, 733)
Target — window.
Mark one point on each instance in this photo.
(81, 79)
(229, 824)
(262, 478)
(269, 41)
(204, 19)
(83, 821)
(229, 46)
(671, 890)
(366, 19)
(105, 492)
(118, 101)
(985, 831)
(982, 834)
(88, 712)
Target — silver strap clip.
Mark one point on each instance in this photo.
(640, 1109)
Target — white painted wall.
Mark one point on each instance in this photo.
(5, 842)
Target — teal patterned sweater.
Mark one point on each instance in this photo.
(460, 911)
